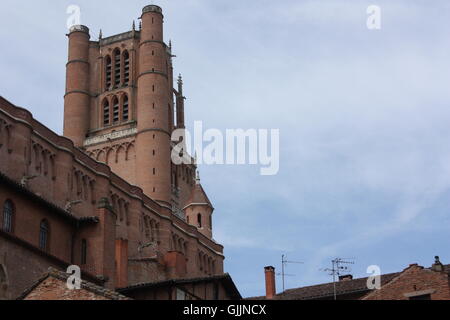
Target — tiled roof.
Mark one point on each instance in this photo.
(89, 286)
(326, 290)
(225, 278)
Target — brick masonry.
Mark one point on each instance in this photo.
(102, 193)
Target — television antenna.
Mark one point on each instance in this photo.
(284, 263)
(338, 265)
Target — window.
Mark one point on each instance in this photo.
(44, 232)
(125, 112)
(126, 68)
(106, 112)
(199, 220)
(116, 67)
(115, 110)
(108, 75)
(8, 213)
(83, 251)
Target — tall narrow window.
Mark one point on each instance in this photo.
(126, 68)
(108, 75)
(199, 220)
(116, 67)
(83, 251)
(106, 112)
(115, 110)
(126, 112)
(44, 232)
(8, 213)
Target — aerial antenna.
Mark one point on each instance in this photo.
(284, 263)
(338, 265)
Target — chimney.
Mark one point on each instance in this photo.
(271, 290)
(346, 277)
(437, 265)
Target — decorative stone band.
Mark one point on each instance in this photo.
(78, 91)
(77, 60)
(110, 136)
(156, 129)
(153, 41)
(153, 72)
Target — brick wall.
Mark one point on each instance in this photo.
(414, 281)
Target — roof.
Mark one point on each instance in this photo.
(226, 280)
(89, 286)
(326, 290)
(198, 197)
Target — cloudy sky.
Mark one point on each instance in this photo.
(364, 120)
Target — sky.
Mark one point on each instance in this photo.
(363, 117)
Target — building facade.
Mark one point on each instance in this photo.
(106, 195)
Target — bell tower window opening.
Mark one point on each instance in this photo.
(126, 68)
(106, 112)
(108, 75)
(115, 110)
(116, 68)
(126, 112)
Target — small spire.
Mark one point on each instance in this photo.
(134, 26)
(100, 36)
(197, 177)
(140, 25)
(180, 85)
(170, 45)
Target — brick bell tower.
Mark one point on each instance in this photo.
(119, 106)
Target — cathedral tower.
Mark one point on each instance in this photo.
(121, 107)
(153, 108)
(77, 97)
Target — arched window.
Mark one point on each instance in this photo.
(44, 233)
(116, 59)
(106, 112)
(126, 68)
(83, 251)
(8, 215)
(199, 220)
(115, 110)
(125, 111)
(108, 73)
